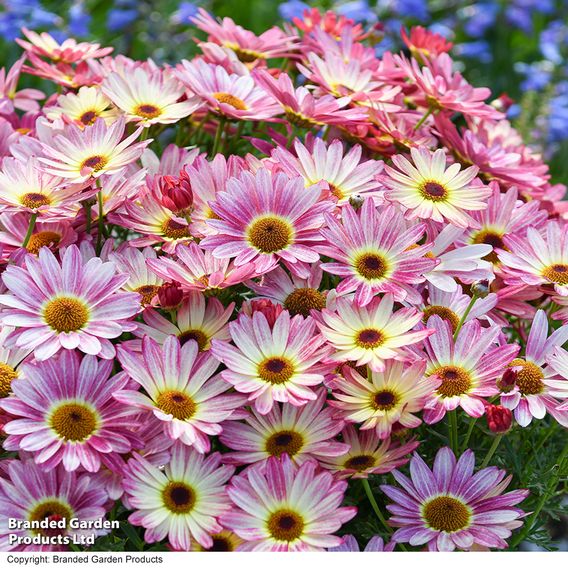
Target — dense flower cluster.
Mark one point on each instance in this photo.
(233, 286)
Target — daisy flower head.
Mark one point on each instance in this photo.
(423, 43)
(83, 108)
(81, 155)
(10, 359)
(277, 363)
(71, 304)
(345, 176)
(371, 334)
(180, 501)
(285, 508)
(537, 258)
(467, 367)
(24, 187)
(427, 190)
(149, 97)
(181, 390)
(375, 253)
(537, 388)
(28, 493)
(10, 97)
(223, 541)
(384, 398)
(199, 318)
(282, 220)
(368, 454)
(303, 432)
(236, 97)
(450, 507)
(75, 422)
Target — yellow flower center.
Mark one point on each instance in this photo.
(54, 511)
(96, 163)
(196, 335)
(65, 314)
(384, 400)
(147, 111)
(493, 238)
(455, 381)
(369, 338)
(557, 273)
(74, 422)
(275, 370)
(178, 497)
(303, 300)
(231, 100)
(35, 200)
(285, 525)
(270, 234)
(88, 117)
(7, 375)
(371, 266)
(360, 462)
(445, 313)
(172, 229)
(298, 119)
(42, 239)
(446, 514)
(222, 542)
(529, 378)
(433, 191)
(148, 292)
(285, 441)
(177, 403)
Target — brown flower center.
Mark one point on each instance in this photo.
(231, 100)
(221, 543)
(7, 375)
(445, 313)
(371, 266)
(172, 229)
(74, 422)
(433, 191)
(88, 117)
(35, 200)
(446, 514)
(148, 292)
(285, 441)
(360, 462)
(369, 338)
(52, 510)
(384, 400)
(196, 335)
(147, 111)
(298, 119)
(270, 234)
(177, 403)
(96, 163)
(276, 370)
(493, 238)
(557, 273)
(285, 525)
(66, 314)
(303, 300)
(178, 497)
(42, 239)
(455, 381)
(529, 378)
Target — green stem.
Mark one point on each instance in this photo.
(465, 314)
(87, 209)
(494, 446)
(145, 133)
(468, 434)
(218, 136)
(100, 220)
(31, 226)
(453, 430)
(423, 119)
(550, 487)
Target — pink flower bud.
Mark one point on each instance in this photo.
(170, 296)
(499, 418)
(507, 382)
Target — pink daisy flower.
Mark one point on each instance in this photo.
(75, 422)
(423, 43)
(450, 507)
(304, 110)
(72, 304)
(198, 318)
(10, 97)
(273, 363)
(233, 96)
(181, 390)
(282, 220)
(181, 501)
(427, 190)
(468, 367)
(10, 360)
(537, 388)
(285, 508)
(385, 398)
(376, 253)
(27, 493)
(371, 334)
(80, 155)
(304, 433)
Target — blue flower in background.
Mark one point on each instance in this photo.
(79, 20)
(357, 10)
(185, 11)
(551, 41)
(416, 9)
(122, 15)
(475, 49)
(479, 18)
(292, 9)
(537, 75)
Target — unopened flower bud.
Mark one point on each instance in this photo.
(356, 201)
(507, 382)
(271, 311)
(170, 296)
(175, 193)
(480, 288)
(499, 418)
(503, 102)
